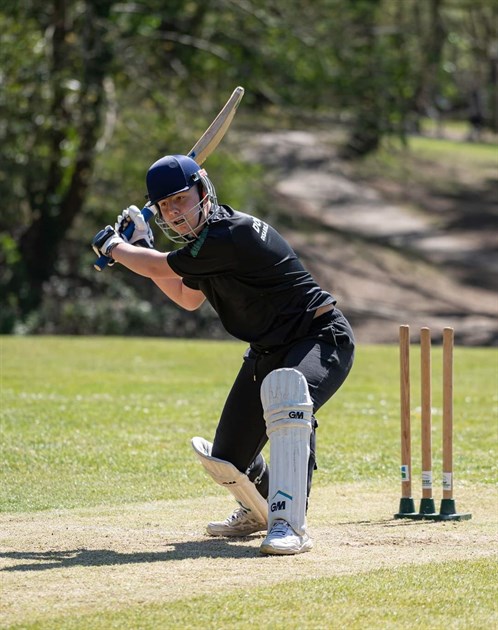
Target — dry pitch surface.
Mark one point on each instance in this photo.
(106, 558)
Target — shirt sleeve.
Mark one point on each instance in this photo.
(191, 283)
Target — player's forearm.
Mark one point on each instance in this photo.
(174, 288)
(154, 265)
(145, 262)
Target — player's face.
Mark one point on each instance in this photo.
(182, 212)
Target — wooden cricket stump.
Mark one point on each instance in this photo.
(427, 505)
(406, 504)
(447, 511)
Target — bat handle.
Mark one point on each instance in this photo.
(101, 263)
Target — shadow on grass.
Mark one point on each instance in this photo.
(44, 560)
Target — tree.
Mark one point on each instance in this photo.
(60, 95)
(141, 79)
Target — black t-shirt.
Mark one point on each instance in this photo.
(252, 278)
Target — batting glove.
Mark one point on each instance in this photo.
(105, 241)
(142, 234)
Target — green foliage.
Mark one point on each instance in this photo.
(92, 93)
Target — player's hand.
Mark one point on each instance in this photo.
(142, 234)
(105, 241)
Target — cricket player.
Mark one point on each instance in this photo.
(300, 345)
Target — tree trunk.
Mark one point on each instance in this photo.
(366, 129)
(63, 196)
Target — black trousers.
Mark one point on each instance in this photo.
(324, 356)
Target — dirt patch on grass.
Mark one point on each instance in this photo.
(418, 251)
(88, 560)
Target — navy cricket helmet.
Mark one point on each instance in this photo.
(174, 174)
(170, 175)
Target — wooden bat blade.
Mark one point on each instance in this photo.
(213, 135)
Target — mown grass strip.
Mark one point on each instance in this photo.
(94, 421)
(456, 595)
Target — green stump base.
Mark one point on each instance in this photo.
(427, 507)
(447, 512)
(407, 509)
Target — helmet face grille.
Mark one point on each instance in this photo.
(195, 218)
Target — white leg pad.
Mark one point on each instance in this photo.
(288, 410)
(238, 483)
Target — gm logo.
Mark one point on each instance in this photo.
(296, 414)
(279, 504)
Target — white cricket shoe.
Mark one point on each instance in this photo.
(239, 523)
(282, 540)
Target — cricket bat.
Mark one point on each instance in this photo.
(201, 150)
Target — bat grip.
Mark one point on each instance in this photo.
(101, 263)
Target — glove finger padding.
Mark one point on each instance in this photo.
(105, 241)
(137, 217)
(142, 235)
(120, 224)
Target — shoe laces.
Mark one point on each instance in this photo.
(237, 515)
(280, 528)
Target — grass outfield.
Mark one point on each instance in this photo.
(100, 492)
(448, 166)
